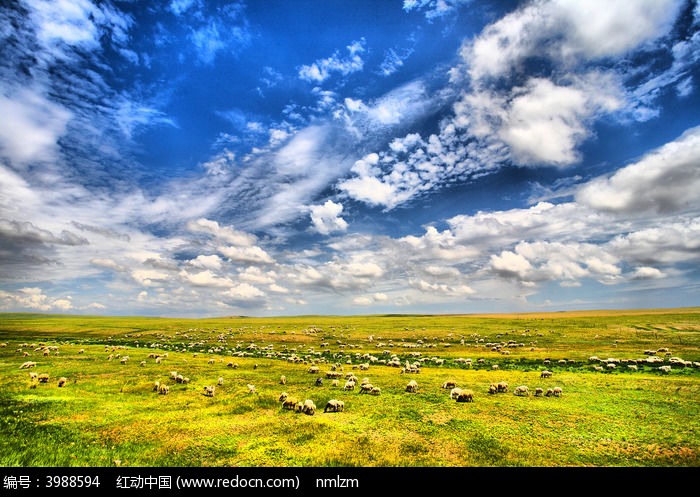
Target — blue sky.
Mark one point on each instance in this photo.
(204, 158)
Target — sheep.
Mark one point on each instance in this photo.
(375, 391)
(554, 392)
(502, 386)
(173, 375)
(449, 384)
(283, 396)
(211, 361)
(455, 392)
(366, 388)
(538, 392)
(233, 365)
(156, 386)
(521, 390)
(308, 408)
(313, 370)
(81, 351)
(220, 381)
(124, 359)
(209, 390)
(493, 389)
(142, 363)
(465, 396)
(349, 385)
(43, 378)
(665, 369)
(283, 380)
(335, 383)
(546, 374)
(334, 405)
(289, 403)
(318, 382)
(27, 365)
(62, 381)
(412, 386)
(251, 388)
(163, 389)
(33, 377)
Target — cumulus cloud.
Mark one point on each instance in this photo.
(326, 218)
(664, 181)
(32, 298)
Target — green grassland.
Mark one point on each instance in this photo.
(108, 414)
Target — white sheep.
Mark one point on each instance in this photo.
(62, 381)
(349, 385)
(554, 392)
(27, 365)
(283, 380)
(455, 392)
(375, 391)
(546, 374)
(521, 390)
(251, 388)
(449, 384)
(334, 405)
(366, 388)
(308, 408)
(33, 377)
(209, 390)
(465, 396)
(163, 389)
(220, 381)
(43, 377)
(502, 387)
(493, 388)
(412, 386)
(538, 392)
(665, 369)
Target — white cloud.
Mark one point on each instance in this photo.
(31, 126)
(206, 278)
(246, 254)
(326, 218)
(647, 273)
(33, 298)
(243, 292)
(664, 181)
(212, 262)
(226, 234)
(323, 69)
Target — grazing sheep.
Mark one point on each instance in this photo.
(27, 365)
(349, 385)
(449, 384)
(502, 386)
(554, 392)
(232, 365)
(62, 381)
(521, 390)
(308, 408)
(633, 367)
(209, 390)
(366, 388)
(546, 374)
(163, 389)
(455, 392)
(220, 381)
(33, 377)
(599, 368)
(318, 382)
(313, 370)
(124, 359)
(495, 367)
(335, 383)
(465, 396)
(375, 391)
(142, 363)
(251, 388)
(665, 369)
(283, 396)
(538, 392)
(156, 386)
(290, 403)
(211, 361)
(43, 378)
(81, 351)
(493, 389)
(334, 405)
(283, 380)
(412, 386)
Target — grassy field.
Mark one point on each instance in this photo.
(108, 414)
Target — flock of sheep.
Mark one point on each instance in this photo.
(350, 381)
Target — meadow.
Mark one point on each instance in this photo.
(633, 413)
